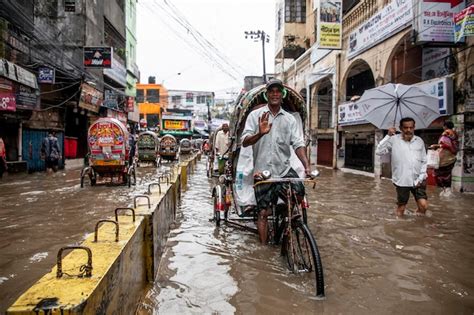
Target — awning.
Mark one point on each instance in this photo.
(18, 74)
(319, 74)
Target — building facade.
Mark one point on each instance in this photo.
(72, 57)
(380, 42)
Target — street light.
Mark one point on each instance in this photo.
(265, 38)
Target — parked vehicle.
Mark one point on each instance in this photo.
(168, 149)
(147, 147)
(185, 146)
(108, 154)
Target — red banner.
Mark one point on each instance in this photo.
(7, 97)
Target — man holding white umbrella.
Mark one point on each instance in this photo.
(383, 106)
(408, 156)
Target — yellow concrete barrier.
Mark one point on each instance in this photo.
(120, 270)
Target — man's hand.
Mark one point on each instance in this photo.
(307, 172)
(264, 126)
(392, 131)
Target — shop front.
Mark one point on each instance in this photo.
(19, 99)
(357, 139)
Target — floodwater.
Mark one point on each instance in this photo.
(40, 213)
(373, 262)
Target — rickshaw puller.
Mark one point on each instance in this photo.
(272, 132)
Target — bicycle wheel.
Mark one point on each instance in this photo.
(303, 258)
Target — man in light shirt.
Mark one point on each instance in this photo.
(408, 155)
(222, 140)
(273, 133)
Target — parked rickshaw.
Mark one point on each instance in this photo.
(198, 144)
(234, 199)
(185, 146)
(168, 149)
(147, 147)
(109, 154)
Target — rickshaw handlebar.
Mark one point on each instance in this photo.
(286, 180)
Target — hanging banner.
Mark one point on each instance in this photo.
(98, 57)
(434, 20)
(464, 23)
(390, 20)
(91, 98)
(330, 24)
(436, 62)
(46, 75)
(7, 98)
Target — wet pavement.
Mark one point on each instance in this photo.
(40, 213)
(373, 262)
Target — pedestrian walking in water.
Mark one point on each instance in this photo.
(447, 147)
(408, 156)
(3, 158)
(51, 152)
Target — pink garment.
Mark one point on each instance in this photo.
(3, 153)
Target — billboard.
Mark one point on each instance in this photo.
(330, 24)
(464, 23)
(434, 20)
(98, 57)
(390, 20)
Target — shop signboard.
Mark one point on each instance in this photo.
(330, 24)
(111, 99)
(18, 74)
(464, 23)
(390, 20)
(98, 57)
(349, 114)
(26, 97)
(46, 75)
(436, 62)
(7, 98)
(130, 104)
(434, 20)
(91, 98)
(442, 88)
(117, 72)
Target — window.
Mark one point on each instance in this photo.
(201, 99)
(140, 96)
(295, 11)
(189, 97)
(70, 5)
(153, 95)
(176, 99)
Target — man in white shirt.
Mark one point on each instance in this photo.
(408, 155)
(222, 140)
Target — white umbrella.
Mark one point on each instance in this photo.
(385, 105)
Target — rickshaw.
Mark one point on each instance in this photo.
(109, 151)
(198, 144)
(185, 146)
(168, 149)
(147, 147)
(234, 199)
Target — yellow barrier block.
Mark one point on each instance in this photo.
(70, 294)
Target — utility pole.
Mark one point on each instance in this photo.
(265, 38)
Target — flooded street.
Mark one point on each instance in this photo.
(373, 262)
(40, 213)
